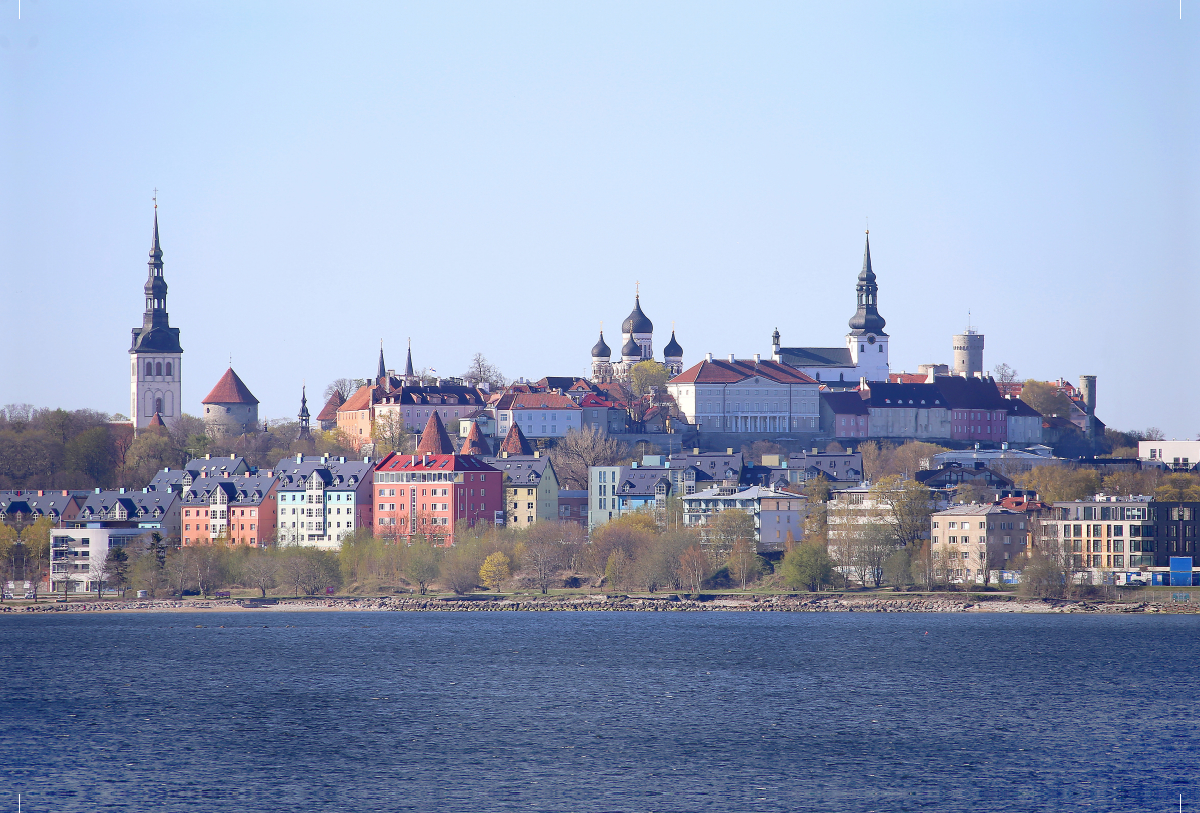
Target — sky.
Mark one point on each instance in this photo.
(498, 177)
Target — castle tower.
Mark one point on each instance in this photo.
(602, 369)
(968, 354)
(155, 375)
(230, 409)
(866, 340)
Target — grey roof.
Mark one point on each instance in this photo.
(816, 356)
(249, 489)
(600, 349)
(520, 469)
(710, 465)
(215, 466)
(49, 503)
(845, 402)
(167, 480)
(349, 475)
(139, 506)
(631, 348)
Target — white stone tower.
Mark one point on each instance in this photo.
(968, 353)
(155, 374)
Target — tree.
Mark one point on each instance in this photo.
(421, 564)
(345, 386)
(36, 539)
(647, 375)
(616, 569)
(116, 569)
(494, 570)
(1178, 488)
(460, 568)
(1006, 374)
(694, 568)
(907, 506)
(543, 553)
(875, 457)
(260, 571)
(807, 567)
(730, 527)
(180, 571)
(1046, 398)
(869, 547)
(744, 564)
(755, 451)
(1061, 483)
(391, 434)
(908, 459)
(897, 569)
(581, 449)
(1129, 483)
(482, 371)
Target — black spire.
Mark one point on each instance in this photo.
(408, 370)
(382, 367)
(673, 350)
(636, 321)
(867, 319)
(156, 334)
(305, 432)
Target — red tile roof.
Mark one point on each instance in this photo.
(731, 372)
(475, 442)
(434, 439)
(329, 413)
(156, 420)
(360, 400)
(515, 442)
(536, 400)
(433, 462)
(230, 390)
(907, 378)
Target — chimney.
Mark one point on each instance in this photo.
(231, 456)
(299, 457)
(121, 491)
(208, 457)
(708, 357)
(757, 358)
(695, 450)
(728, 450)
(731, 357)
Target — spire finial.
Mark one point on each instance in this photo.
(155, 198)
(637, 290)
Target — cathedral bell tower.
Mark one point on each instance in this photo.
(155, 373)
(867, 342)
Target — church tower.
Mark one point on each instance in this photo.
(155, 373)
(867, 342)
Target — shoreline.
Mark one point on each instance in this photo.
(621, 603)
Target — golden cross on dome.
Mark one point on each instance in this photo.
(637, 289)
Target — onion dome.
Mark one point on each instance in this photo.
(672, 350)
(601, 350)
(637, 322)
(631, 349)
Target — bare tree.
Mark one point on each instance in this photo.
(345, 386)
(544, 553)
(744, 563)
(1006, 374)
(694, 567)
(482, 371)
(579, 450)
(260, 571)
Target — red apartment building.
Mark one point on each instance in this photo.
(427, 494)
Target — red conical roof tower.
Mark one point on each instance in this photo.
(435, 440)
(475, 444)
(515, 443)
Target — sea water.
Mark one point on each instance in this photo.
(723, 711)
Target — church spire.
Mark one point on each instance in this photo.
(382, 372)
(867, 319)
(305, 432)
(408, 368)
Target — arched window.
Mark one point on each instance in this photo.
(149, 404)
(149, 368)
(169, 368)
(158, 405)
(158, 368)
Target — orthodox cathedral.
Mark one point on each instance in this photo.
(637, 345)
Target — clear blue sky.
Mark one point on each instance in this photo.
(496, 176)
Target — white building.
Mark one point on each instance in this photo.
(322, 499)
(775, 513)
(1177, 454)
(539, 414)
(747, 396)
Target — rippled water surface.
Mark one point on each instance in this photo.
(276, 711)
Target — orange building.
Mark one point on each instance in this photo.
(236, 509)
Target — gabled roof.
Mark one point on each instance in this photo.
(475, 443)
(732, 372)
(359, 400)
(521, 470)
(845, 402)
(329, 412)
(908, 378)
(515, 442)
(970, 393)
(435, 462)
(536, 400)
(230, 390)
(435, 440)
(1019, 409)
(816, 356)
